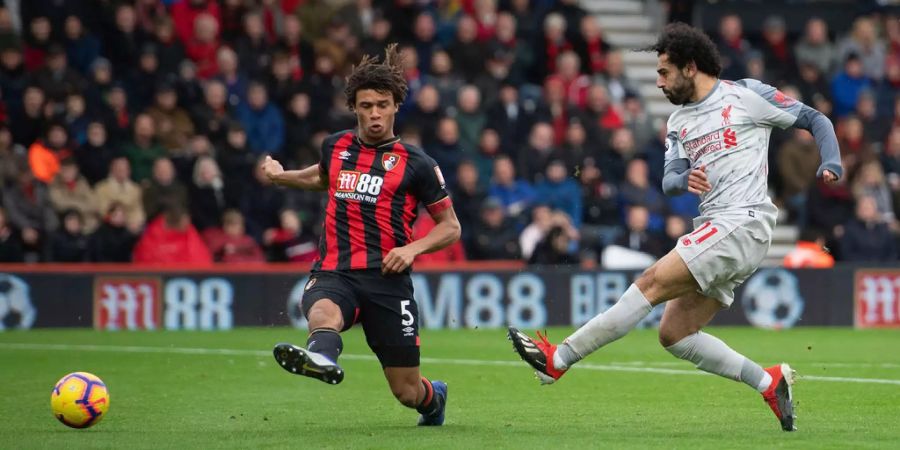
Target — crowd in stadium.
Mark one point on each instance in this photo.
(133, 130)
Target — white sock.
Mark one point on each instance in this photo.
(766, 380)
(712, 355)
(603, 328)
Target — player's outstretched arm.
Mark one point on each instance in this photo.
(773, 108)
(816, 123)
(309, 179)
(445, 232)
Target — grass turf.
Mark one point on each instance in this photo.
(171, 398)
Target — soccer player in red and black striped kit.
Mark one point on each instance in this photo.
(375, 183)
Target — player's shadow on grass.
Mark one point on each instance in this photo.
(392, 429)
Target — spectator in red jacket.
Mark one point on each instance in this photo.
(575, 83)
(203, 45)
(290, 242)
(231, 244)
(553, 43)
(600, 110)
(36, 42)
(591, 47)
(186, 12)
(453, 253)
(172, 239)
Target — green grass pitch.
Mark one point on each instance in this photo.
(168, 392)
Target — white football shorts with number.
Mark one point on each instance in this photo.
(724, 250)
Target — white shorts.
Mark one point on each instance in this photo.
(723, 251)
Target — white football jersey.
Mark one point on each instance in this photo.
(728, 131)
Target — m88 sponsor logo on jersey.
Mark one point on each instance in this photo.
(363, 183)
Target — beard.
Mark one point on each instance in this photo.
(680, 92)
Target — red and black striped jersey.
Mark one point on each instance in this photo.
(374, 192)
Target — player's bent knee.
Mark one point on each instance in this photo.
(670, 335)
(649, 285)
(325, 314)
(668, 338)
(646, 280)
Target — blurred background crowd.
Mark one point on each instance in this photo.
(132, 130)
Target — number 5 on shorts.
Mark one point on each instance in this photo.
(407, 316)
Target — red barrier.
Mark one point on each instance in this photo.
(473, 266)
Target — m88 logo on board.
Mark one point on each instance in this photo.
(127, 303)
(877, 298)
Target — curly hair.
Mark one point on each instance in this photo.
(683, 44)
(384, 76)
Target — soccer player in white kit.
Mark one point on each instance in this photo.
(717, 148)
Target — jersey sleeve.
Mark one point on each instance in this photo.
(674, 148)
(677, 163)
(770, 107)
(428, 185)
(325, 161)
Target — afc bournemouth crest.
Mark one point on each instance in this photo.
(389, 161)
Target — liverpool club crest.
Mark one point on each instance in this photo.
(389, 161)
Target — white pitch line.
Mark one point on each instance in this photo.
(856, 365)
(133, 349)
(849, 380)
(450, 361)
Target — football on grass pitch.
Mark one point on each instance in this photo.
(79, 400)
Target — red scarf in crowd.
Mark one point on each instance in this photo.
(553, 50)
(780, 50)
(597, 59)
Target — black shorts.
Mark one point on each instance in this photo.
(384, 304)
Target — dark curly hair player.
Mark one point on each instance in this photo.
(375, 183)
(716, 148)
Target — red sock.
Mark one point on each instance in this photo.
(429, 405)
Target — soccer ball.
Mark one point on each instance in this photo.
(79, 400)
(772, 299)
(16, 310)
